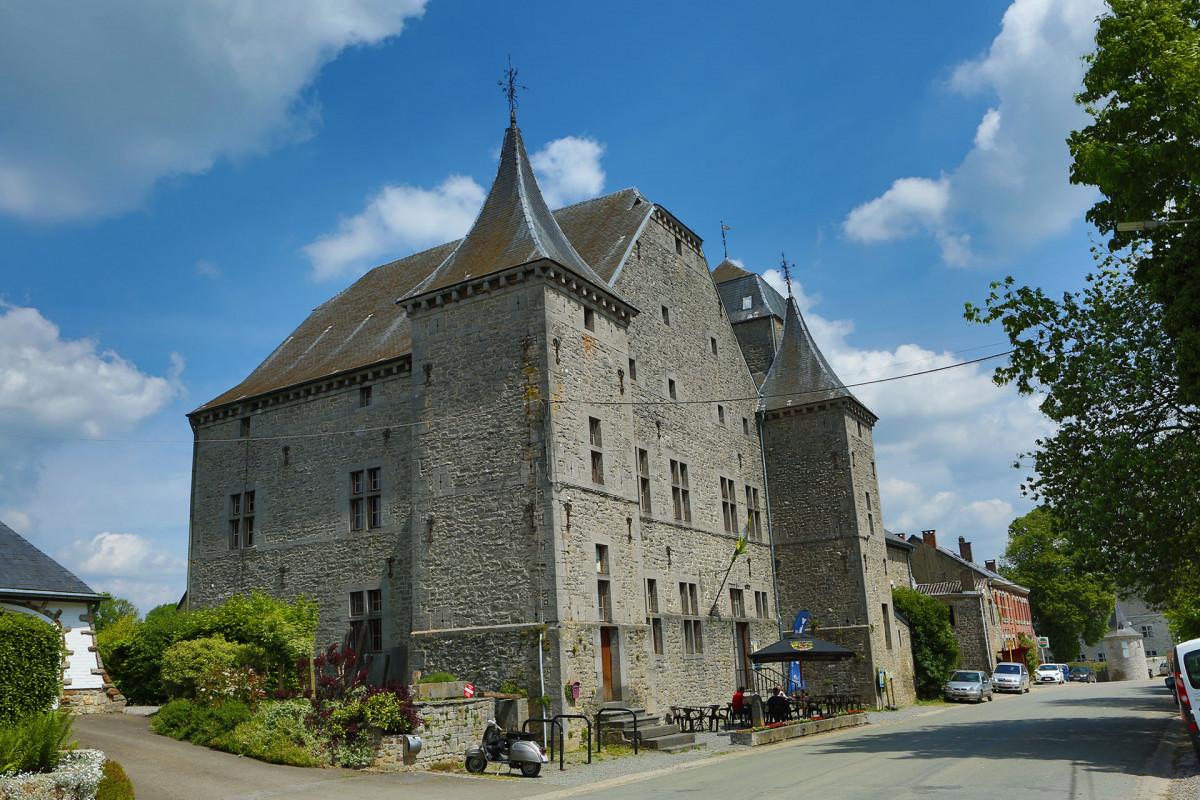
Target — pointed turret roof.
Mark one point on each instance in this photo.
(514, 227)
(26, 570)
(727, 270)
(800, 375)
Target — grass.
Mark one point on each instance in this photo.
(446, 766)
(937, 701)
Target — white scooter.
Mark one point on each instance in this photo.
(512, 748)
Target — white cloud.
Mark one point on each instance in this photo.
(207, 269)
(103, 102)
(568, 170)
(402, 219)
(51, 385)
(1011, 189)
(117, 554)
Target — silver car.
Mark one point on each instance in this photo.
(1011, 676)
(968, 684)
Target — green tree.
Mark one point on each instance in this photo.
(31, 659)
(111, 610)
(135, 661)
(1122, 469)
(935, 650)
(1142, 150)
(1067, 604)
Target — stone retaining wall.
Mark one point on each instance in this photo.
(451, 726)
(796, 729)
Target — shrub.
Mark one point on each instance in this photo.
(186, 661)
(935, 650)
(31, 655)
(437, 677)
(34, 743)
(279, 734)
(235, 683)
(114, 783)
(135, 660)
(111, 610)
(199, 723)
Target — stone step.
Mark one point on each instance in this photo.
(653, 731)
(678, 748)
(671, 742)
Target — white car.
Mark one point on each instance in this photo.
(1187, 688)
(1048, 673)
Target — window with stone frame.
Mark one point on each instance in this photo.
(241, 520)
(366, 620)
(589, 319)
(602, 559)
(671, 390)
(720, 414)
(729, 505)
(633, 370)
(754, 514)
(366, 501)
(680, 495)
(364, 396)
(693, 630)
(595, 439)
(745, 426)
(654, 621)
(643, 470)
(887, 626)
(604, 600)
(737, 603)
(761, 608)
(244, 427)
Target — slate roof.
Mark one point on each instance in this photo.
(799, 375)
(26, 570)
(734, 284)
(514, 227)
(362, 325)
(948, 587)
(991, 575)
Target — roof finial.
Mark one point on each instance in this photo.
(724, 246)
(787, 274)
(510, 87)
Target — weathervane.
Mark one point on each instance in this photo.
(787, 274)
(510, 87)
(724, 246)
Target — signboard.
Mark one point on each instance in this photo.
(1043, 641)
(468, 690)
(802, 645)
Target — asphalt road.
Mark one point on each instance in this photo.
(1072, 741)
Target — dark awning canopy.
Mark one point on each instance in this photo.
(796, 647)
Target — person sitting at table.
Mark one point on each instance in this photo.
(739, 709)
(777, 705)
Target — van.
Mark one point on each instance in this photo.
(1187, 687)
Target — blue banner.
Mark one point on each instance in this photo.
(795, 675)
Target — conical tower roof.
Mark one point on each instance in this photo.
(800, 375)
(514, 227)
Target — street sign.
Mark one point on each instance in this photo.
(468, 690)
(1043, 641)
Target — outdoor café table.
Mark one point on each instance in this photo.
(690, 718)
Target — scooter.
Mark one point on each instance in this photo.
(512, 748)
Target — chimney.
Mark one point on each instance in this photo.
(967, 579)
(964, 549)
(990, 564)
(929, 537)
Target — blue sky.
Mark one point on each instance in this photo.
(181, 183)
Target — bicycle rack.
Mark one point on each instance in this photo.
(628, 711)
(556, 724)
(586, 721)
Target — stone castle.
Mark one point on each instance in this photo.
(529, 455)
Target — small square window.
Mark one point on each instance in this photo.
(671, 389)
(589, 319)
(666, 315)
(747, 303)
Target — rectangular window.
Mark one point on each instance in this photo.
(244, 430)
(887, 626)
(1147, 630)
(666, 315)
(680, 495)
(761, 608)
(712, 340)
(671, 389)
(366, 503)
(720, 414)
(633, 370)
(594, 432)
(693, 634)
(357, 607)
(364, 396)
(746, 426)
(747, 303)
(604, 595)
(754, 520)
(656, 631)
(589, 319)
(241, 520)
(601, 559)
(375, 635)
(652, 595)
(366, 620)
(597, 468)
(596, 440)
(729, 505)
(678, 246)
(375, 601)
(643, 467)
(737, 603)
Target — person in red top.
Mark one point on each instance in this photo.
(739, 699)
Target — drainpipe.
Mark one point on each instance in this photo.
(542, 678)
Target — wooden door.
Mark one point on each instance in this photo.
(606, 663)
(742, 642)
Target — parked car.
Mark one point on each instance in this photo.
(1187, 688)
(1083, 675)
(1066, 671)
(968, 684)
(1010, 676)
(1048, 673)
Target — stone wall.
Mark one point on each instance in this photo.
(450, 727)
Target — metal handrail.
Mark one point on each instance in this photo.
(628, 711)
(588, 722)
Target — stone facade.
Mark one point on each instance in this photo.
(543, 474)
(450, 727)
(1157, 641)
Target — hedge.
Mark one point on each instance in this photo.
(31, 660)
